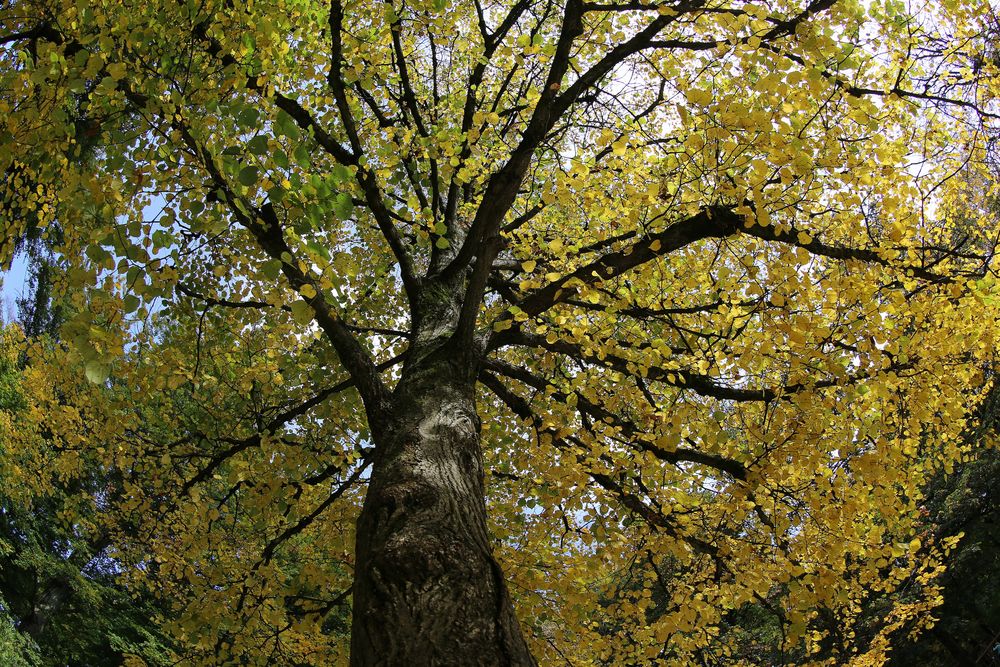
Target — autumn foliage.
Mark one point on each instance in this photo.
(705, 290)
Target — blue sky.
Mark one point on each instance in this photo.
(14, 283)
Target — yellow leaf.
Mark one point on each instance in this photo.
(117, 71)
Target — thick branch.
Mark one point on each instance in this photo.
(274, 424)
(817, 247)
(483, 241)
(713, 222)
(703, 385)
(364, 177)
(628, 429)
(263, 224)
(520, 407)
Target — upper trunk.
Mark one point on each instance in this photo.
(427, 589)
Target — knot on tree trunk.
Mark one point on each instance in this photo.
(449, 422)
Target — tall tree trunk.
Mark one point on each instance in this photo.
(427, 588)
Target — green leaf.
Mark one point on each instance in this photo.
(248, 176)
(116, 70)
(258, 145)
(302, 155)
(301, 312)
(271, 269)
(97, 371)
(248, 117)
(97, 254)
(343, 207)
(285, 125)
(341, 174)
(130, 303)
(319, 249)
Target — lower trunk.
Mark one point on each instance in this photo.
(427, 589)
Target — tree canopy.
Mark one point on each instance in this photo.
(405, 329)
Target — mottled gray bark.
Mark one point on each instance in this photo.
(427, 589)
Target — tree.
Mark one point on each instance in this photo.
(683, 278)
(964, 503)
(961, 504)
(60, 599)
(59, 589)
(966, 630)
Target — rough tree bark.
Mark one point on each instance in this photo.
(427, 588)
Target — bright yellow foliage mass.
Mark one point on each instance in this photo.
(734, 308)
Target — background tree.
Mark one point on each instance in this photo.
(684, 278)
(967, 629)
(61, 598)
